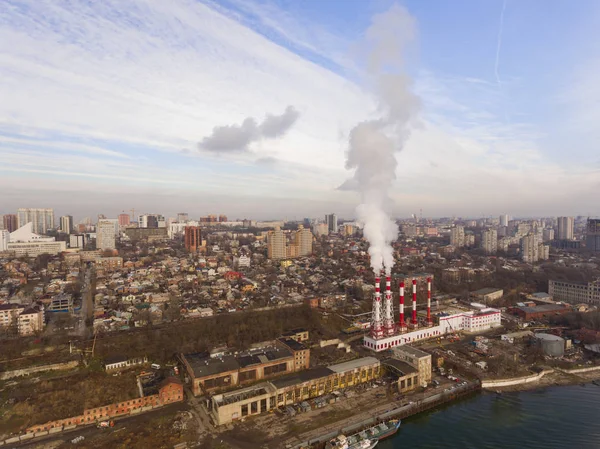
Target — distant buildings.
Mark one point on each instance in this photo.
(278, 247)
(124, 220)
(105, 235)
(332, 223)
(592, 239)
(548, 235)
(304, 240)
(24, 242)
(9, 222)
(575, 292)
(4, 239)
(77, 241)
(533, 250)
(566, 226)
(503, 220)
(152, 221)
(489, 241)
(193, 238)
(320, 229)
(457, 236)
(66, 224)
(276, 244)
(25, 321)
(182, 217)
(42, 219)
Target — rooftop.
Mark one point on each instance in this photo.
(543, 308)
(486, 291)
(293, 344)
(353, 364)
(302, 376)
(400, 367)
(412, 351)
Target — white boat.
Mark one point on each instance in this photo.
(343, 442)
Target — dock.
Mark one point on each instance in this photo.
(402, 412)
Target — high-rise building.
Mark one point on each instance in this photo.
(457, 236)
(152, 221)
(222, 218)
(182, 217)
(548, 234)
(9, 222)
(4, 239)
(533, 250)
(193, 238)
(304, 241)
(66, 224)
(42, 220)
(105, 235)
(77, 241)
(503, 220)
(592, 236)
(489, 241)
(320, 229)
(124, 220)
(566, 226)
(332, 224)
(276, 244)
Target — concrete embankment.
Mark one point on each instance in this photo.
(412, 408)
(499, 383)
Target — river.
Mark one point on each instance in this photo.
(554, 417)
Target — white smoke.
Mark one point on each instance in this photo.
(373, 143)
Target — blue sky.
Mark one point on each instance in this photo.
(103, 104)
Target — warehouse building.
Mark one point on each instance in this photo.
(224, 371)
(540, 312)
(291, 389)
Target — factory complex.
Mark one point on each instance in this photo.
(386, 333)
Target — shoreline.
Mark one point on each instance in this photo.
(557, 378)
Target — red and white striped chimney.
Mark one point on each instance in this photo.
(414, 301)
(377, 322)
(402, 324)
(429, 301)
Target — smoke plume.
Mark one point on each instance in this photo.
(373, 143)
(232, 138)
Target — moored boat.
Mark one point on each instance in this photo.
(344, 442)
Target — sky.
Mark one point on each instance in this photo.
(245, 107)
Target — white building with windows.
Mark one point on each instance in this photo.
(24, 242)
(105, 235)
(575, 292)
(4, 239)
(468, 321)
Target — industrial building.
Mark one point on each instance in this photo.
(486, 295)
(575, 292)
(224, 371)
(25, 242)
(540, 312)
(417, 358)
(386, 334)
(291, 389)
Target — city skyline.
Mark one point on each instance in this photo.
(497, 113)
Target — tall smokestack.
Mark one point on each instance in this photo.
(414, 301)
(402, 323)
(429, 322)
(377, 325)
(388, 314)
